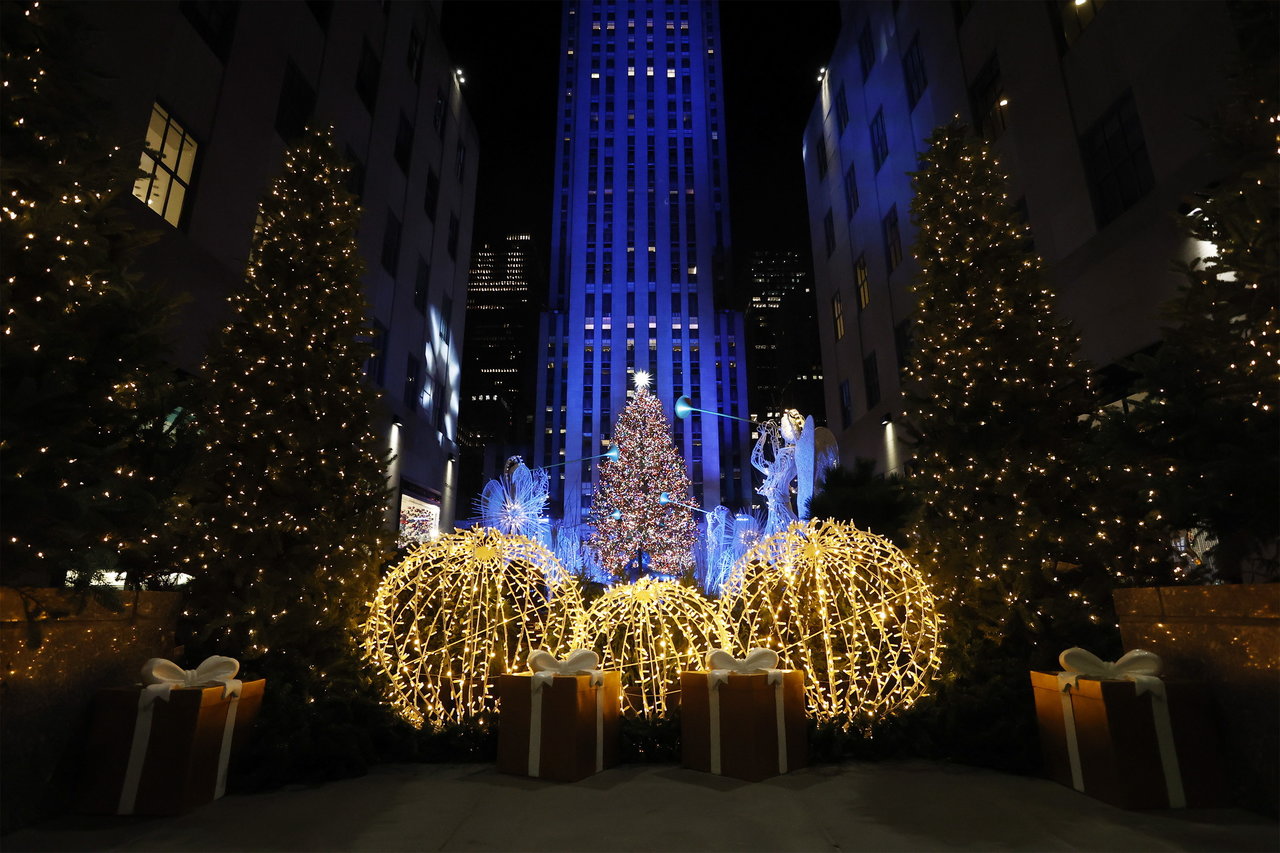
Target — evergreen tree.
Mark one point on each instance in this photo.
(648, 465)
(88, 456)
(882, 505)
(997, 390)
(1201, 440)
(287, 530)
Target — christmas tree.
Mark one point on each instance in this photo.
(997, 391)
(635, 525)
(1201, 439)
(89, 455)
(288, 528)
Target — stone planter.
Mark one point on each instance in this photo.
(1228, 637)
(52, 667)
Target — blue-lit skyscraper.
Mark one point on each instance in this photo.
(639, 245)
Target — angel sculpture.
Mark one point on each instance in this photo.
(794, 451)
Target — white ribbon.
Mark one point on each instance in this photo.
(1143, 669)
(160, 677)
(721, 664)
(546, 667)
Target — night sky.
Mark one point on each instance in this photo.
(509, 52)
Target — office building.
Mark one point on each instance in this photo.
(640, 237)
(1091, 108)
(225, 86)
(784, 359)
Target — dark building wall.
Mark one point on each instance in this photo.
(1062, 82)
(222, 71)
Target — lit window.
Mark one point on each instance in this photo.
(167, 164)
(837, 315)
(863, 279)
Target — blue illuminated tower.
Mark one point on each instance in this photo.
(639, 245)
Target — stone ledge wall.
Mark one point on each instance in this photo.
(1228, 637)
(50, 669)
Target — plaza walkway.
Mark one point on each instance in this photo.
(913, 806)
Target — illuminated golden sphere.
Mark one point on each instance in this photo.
(458, 612)
(652, 630)
(847, 608)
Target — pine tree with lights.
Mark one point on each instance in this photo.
(631, 517)
(89, 458)
(1201, 439)
(997, 390)
(287, 531)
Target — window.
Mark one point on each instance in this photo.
(1115, 159)
(412, 383)
(391, 244)
(421, 286)
(862, 279)
(866, 52)
(990, 106)
(829, 231)
(460, 159)
(322, 10)
(842, 110)
(871, 380)
(1076, 15)
(414, 57)
(215, 21)
(850, 192)
(879, 142)
(367, 77)
(167, 163)
(453, 237)
(837, 315)
(846, 405)
(892, 240)
(404, 143)
(431, 197)
(820, 149)
(913, 71)
(441, 113)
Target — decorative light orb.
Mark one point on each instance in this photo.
(845, 606)
(651, 631)
(458, 612)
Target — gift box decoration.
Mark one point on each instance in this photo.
(1121, 734)
(165, 749)
(559, 721)
(743, 718)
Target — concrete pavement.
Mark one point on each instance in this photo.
(890, 806)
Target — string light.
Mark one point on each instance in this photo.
(460, 611)
(844, 606)
(652, 631)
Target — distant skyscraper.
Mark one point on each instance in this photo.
(505, 284)
(784, 359)
(639, 237)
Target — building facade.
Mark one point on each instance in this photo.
(640, 236)
(504, 290)
(1091, 108)
(220, 89)
(784, 359)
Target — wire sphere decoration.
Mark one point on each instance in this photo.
(458, 612)
(845, 606)
(652, 630)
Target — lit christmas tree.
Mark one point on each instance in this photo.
(289, 527)
(1201, 440)
(634, 525)
(997, 390)
(89, 456)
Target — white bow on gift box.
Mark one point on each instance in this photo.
(721, 665)
(1143, 668)
(545, 667)
(160, 677)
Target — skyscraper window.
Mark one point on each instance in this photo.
(167, 163)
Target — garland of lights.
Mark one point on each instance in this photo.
(844, 606)
(651, 631)
(460, 611)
